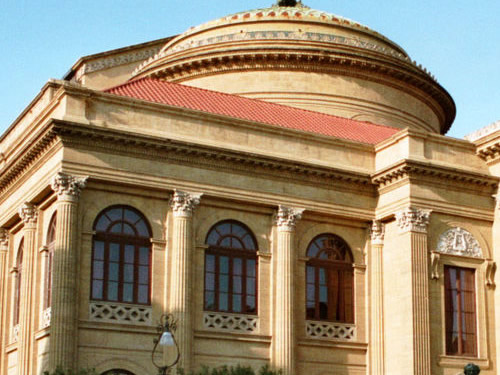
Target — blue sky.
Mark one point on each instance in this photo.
(457, 40)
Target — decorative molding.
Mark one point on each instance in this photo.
(15, 333)
(183, 203)
(67, 186)
(287, 218)
(28, 213)
(377, 232)
(435, 257)
(491, 269)
(231, 322)
(420, 171)
(46, 317)
(4, 239)
(412, 219)
(120, 313)
(483, 132)
(458, 241)
(331, 330)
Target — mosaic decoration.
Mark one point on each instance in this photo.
(458, 241)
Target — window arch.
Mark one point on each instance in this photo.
(329, 280)
(18, 282)
(121, 256)
(51, 242)
(231, 269)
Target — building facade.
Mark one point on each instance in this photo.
(278, 180)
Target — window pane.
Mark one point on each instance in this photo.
(250, 285)
(142, 229)
(114, 252)
(117, 228)
(112, 291)
(237, 284)
(113, 271)
(249, 242)
(210, 263)
(128, 292)
(98, 250)
(102, 224)
(129, 253)
(223, 301)
(209, 281)
(226, 242)
(97, 289)
(131, 216)
(322, 276)
(236, 244)
(143, 275)
(251, 307)
(323, 294)
(144, 255)
(223, 283)
(310, 274)
(98, 270)
(128, 273)
(128, 230)
(251, 267)
(224, 228)
(237, 303)
(310, 293)
(223, 264)
(115, 214)
(143, 294)
(237, 266)
(210, 300)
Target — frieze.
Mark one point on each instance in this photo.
(458, 241)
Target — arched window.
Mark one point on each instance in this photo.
(18, 281)
(117, 372)
(329, 280)
(121, 257)
(231, 269)
(51, 242)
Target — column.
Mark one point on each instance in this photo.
(64, 325)
(375, 271)
(29, 215)
(181, 284)
(412, 223)
(284, 323)
(4, 248)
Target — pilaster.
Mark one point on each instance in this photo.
(412, 223)
(375, 259)
(181, 288)
(63, 327)
(29, 215)
(284, 341)
(4, 247)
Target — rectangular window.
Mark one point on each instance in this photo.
(460, 305)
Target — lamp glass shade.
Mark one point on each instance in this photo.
(166, 339)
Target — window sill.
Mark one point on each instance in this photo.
(461, 361)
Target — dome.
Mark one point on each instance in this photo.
(302, 57)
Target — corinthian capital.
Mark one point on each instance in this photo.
(28, 213)
(184, 203)
(377, 232)
(287, 217)
(4, 238)
(412, 219)
(68, 186)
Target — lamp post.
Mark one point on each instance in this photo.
(165, 329)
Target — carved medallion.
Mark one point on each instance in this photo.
(458, 241)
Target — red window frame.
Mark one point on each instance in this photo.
(329, 280)
(460, 308)
(231, 269)
(115, 277)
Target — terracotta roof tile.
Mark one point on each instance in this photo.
(214, 102)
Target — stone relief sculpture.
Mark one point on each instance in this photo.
(458, 241)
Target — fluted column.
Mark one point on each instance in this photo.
(413, 222)
(4, 247)
(284, 327)
(180, 302)
(29, 215)
(376, 299)
(63, 325)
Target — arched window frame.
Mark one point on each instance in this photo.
(18, 283)
(51, 242)
(111, 254)
(239, 248)
(329, 269)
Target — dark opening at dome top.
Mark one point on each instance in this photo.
(287, 3)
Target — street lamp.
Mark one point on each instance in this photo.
(165, 330)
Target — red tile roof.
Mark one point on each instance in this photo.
(178, 95)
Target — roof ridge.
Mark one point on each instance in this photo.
(244, 98)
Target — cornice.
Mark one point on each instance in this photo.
(405, 169)
(210, 157)
(489, 151)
